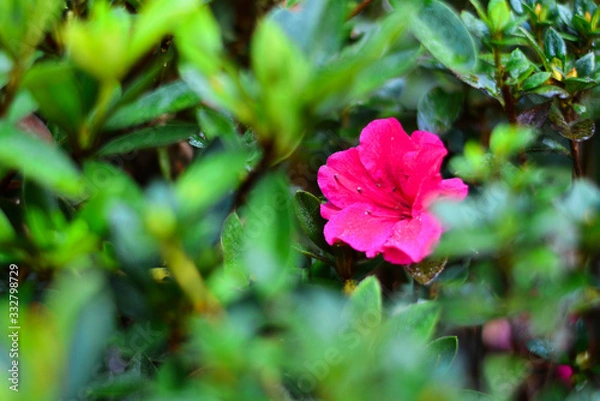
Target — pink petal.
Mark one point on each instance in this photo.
(344, 181)
(362, 226)
(328, 210)
(425, 166)
(412, 239)
(383, 146)
(454, 188)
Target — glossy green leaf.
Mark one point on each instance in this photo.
(365, 303)
(499, 15)
(585, 65)
(535, 80)
(442, 32)
(579, 130)
(427, 270)
(443, 350)
(554, 45)
(52, 167)
(438, 109)
(151, 137)
(308, 211)
(167, 99)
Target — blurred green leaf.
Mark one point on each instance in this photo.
(503, 373)
(151, 137)
(416, 321)
(23, 25)
(442, 32)
(167, 99)
(207, 179)
(7, 233)
(438, 109)
(232, 244)
(84, 310)
(507, 140)
(63, 95)
(268, 234)
(308, 211)
(365, 302)
(40, 161)
(443, 350)
(317, 28)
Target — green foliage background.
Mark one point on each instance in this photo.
(158, 194)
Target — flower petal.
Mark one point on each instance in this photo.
(344, 181)
(453, 188)
(412, 239)
(361, 227)
(424, 175)
(383, 147)
(328, 210)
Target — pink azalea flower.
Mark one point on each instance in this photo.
(379, 192)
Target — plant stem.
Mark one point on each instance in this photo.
(576, 156)
(358, 9)
(509, 100)
(10, 90)
(188, 277)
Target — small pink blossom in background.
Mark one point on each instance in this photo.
(378, 193)
(497, 334)
(564, 373)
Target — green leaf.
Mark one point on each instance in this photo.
(427, 270)
(574, 85)
(268, 235)
(550, 91)
(499, 15)
(503, 374)
(535, 80)
(317, 28)
(365, 303)
(7, 232)
(477, 27)
(308, 211)
(84, 310)
(207, 179)
(579, 130)
(438, 109)
(23, 25)
(585, 65)
(507, 140)
(218, 125)
(167, 99)
(231, 242)
(518, 65)
(441, 31)
(151, 137)
(63, 95)
(416, 321)
(38, 160)
(443, 351)
(554, 45)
